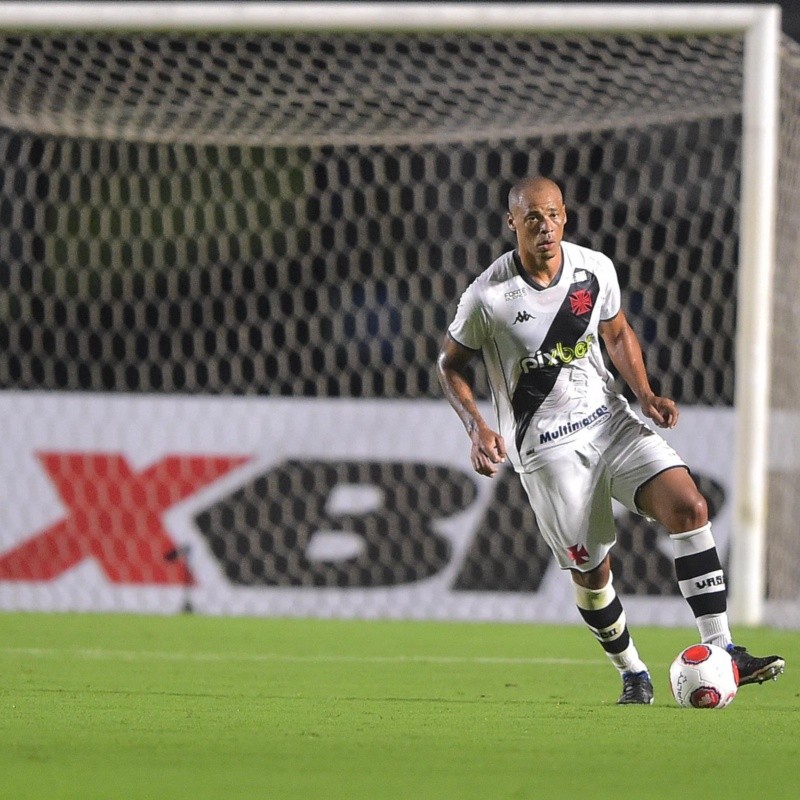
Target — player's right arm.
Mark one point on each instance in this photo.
(488, 447)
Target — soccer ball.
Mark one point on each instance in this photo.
(703, 676)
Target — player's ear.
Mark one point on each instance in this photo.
(510, 221)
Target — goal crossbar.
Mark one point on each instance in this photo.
(276, 16)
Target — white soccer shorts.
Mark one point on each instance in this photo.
(571, 488)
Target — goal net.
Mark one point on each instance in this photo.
(228, 261)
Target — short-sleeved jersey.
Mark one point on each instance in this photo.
(541, 348)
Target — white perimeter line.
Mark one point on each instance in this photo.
(133, 655)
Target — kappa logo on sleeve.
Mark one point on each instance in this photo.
(523, 316)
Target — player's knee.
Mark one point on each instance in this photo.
(688, 513)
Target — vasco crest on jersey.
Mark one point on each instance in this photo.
(581, 302)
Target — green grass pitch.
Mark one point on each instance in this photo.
(116, 706)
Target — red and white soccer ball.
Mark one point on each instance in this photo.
(703, 676)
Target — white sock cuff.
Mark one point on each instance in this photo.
(694, 541)
(714, 629)
(594, 599)
(628, 660)
(693, 532)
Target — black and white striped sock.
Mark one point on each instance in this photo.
(602, 612)
(702, 583)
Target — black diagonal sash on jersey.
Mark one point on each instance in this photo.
(534, 386)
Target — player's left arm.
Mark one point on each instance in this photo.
(625, 352)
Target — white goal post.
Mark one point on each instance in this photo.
(760, 25)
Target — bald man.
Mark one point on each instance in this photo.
(537, 316)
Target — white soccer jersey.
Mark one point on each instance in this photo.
(541, 348)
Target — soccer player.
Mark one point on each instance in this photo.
(535, 316)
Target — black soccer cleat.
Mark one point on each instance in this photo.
(753, 669)
(637, 689)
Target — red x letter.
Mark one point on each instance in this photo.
(114, 517)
